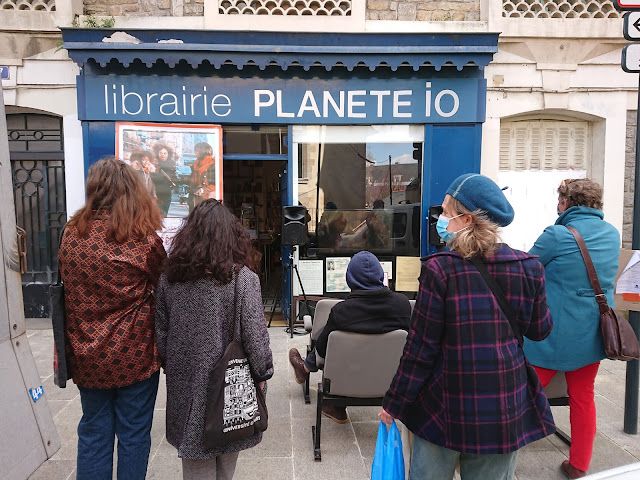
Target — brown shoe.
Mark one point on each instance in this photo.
(337, 414)
(570, 471)
(297, 363)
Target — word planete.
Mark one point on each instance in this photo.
(282, 103)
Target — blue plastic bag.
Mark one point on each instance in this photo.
(388, 462)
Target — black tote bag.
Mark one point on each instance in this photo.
(236, 407)
(58, 320)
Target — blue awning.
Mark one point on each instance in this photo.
(277, 49)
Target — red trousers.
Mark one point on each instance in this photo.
(582, 411)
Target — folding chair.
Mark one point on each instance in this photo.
(557, 395)
(323, 308)
(358, 370)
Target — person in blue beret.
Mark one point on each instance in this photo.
(574, 348)
(463, 386)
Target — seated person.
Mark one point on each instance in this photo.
(369, 308)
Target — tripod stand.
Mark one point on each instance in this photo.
(291, 267)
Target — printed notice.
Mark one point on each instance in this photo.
(311, 276)
(170, 227)
(628, 284)
(387, 267)
(407, 273)
(337, 274)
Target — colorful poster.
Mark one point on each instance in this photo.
(181, 165)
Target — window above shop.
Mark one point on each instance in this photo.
(259, 140)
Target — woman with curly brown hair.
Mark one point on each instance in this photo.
(110, 261)
(165, 175)
(194, 324)
(575, 347)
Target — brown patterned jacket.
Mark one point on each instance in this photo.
(110, 306)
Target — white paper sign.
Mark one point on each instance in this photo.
(311, 273)
(337, 274)
(387, 267)
(629, 281)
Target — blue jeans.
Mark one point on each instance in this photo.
(125, 412)
(432, 462)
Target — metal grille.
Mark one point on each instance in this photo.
(559, 9)
(286, 7)
(29, 5)
(37, 164)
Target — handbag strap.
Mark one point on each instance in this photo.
(506, 307)
(58, 280)
(236, 333)
(601, 298)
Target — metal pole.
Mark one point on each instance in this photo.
(633, 367)
(390, 181)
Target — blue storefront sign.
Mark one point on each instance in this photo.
(282, 101)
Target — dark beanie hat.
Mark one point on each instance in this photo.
(365, 272)
(477, 192)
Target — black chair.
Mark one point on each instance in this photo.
(557, 395)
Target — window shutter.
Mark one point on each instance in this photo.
(544, 145)
(505, 147)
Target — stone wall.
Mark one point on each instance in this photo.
(152, 8)
(424, 10)
(629, 179)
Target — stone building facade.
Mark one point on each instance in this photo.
(629, 178)
(153, 8)
(402, 10)
(424, 10)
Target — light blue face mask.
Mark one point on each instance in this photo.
(441, 227)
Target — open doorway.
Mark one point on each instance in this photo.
(252, 191)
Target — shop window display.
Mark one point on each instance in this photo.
(362, 188)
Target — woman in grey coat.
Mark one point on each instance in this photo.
(194, 322)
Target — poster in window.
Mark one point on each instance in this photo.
(336, 274)
(181, 165)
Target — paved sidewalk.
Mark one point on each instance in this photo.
(286, 451)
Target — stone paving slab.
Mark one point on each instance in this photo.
(286, 451)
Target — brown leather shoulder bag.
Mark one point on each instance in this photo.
(619, 339)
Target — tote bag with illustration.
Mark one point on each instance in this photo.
(236, 407)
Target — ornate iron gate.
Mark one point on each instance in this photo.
(37, 164)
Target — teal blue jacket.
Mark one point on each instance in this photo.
(575, 340)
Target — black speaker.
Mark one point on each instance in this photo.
(294, 231)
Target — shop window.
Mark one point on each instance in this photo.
(255, 139)
(535, 156)
(361, 186)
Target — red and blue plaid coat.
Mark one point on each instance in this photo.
(463, 382)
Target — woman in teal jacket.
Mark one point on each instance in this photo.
(575, 343)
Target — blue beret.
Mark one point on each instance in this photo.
(477, 192)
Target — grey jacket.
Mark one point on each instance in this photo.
(193, 327)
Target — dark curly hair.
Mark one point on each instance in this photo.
(211, 243)
(159, 146)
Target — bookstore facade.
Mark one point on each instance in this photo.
(365, 131)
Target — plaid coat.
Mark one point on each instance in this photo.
(463, 382)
